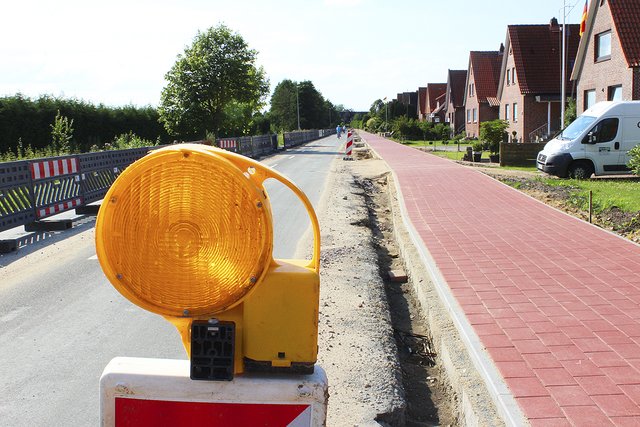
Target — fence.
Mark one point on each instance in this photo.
(291, 139)
(250, 146)
(519, 154)
(31, 190)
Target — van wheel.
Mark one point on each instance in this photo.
(581, 170)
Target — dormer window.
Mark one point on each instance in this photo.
(603, 46)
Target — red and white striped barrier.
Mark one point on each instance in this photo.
(59, 207)
(228, 143)
(52, 168)
(349, 146)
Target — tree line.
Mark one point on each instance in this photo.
(28, 122)
(214, 89)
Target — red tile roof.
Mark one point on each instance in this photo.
(486, 73)
(537, 51)
(626, 17)
(434, 91)
(455, 85)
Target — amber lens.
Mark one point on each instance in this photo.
(184, 231)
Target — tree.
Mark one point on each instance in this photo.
(315, 111)
(218, 69)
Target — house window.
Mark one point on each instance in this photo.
(468, 116)
(507, 111)
(513, 75)
(603, 46)
(515, 112)
(508, 77)
(475, 115)
(589, 98)
(614, 93)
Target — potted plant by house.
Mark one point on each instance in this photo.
(477, 150)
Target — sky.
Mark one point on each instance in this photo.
(117, 52)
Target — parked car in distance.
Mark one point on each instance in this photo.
(597, 142)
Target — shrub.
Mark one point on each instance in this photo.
(493, 132)
(634, 162)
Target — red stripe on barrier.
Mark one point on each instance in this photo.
(53, 168)
(60, 207)
(142, 413)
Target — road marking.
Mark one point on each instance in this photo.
(274, 165)
(92, 258)
(290, 157)
(13, 314)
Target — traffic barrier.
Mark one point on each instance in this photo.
(145, 392)
(292, 139)
(228, 144)
(32, 190)
(349, 147)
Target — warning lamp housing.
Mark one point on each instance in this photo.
(186, 232)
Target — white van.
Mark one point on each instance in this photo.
(598, 141)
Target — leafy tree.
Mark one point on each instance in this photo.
(315, 111)
(493, 133)
(284, 113)
(215, 71)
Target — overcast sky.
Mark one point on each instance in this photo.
(117, 52)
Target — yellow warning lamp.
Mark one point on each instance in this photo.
(186, 232)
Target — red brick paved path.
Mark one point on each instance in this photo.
(554, 300)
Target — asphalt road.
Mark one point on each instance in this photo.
(61, 321)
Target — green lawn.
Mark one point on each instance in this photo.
(437, 144)
(607, 193)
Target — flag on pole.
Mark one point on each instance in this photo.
(583, 22)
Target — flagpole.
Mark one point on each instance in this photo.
(564, 72)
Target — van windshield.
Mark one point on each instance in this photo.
(576, 127)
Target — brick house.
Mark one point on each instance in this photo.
(529, 89)
(438, 113)
(481, 89)
(434, 91)
(454, 113)
(608, 60)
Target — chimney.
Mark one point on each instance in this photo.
(553, 22)
(553, 26)
(501, 50)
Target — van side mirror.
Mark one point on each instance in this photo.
(591, 138)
